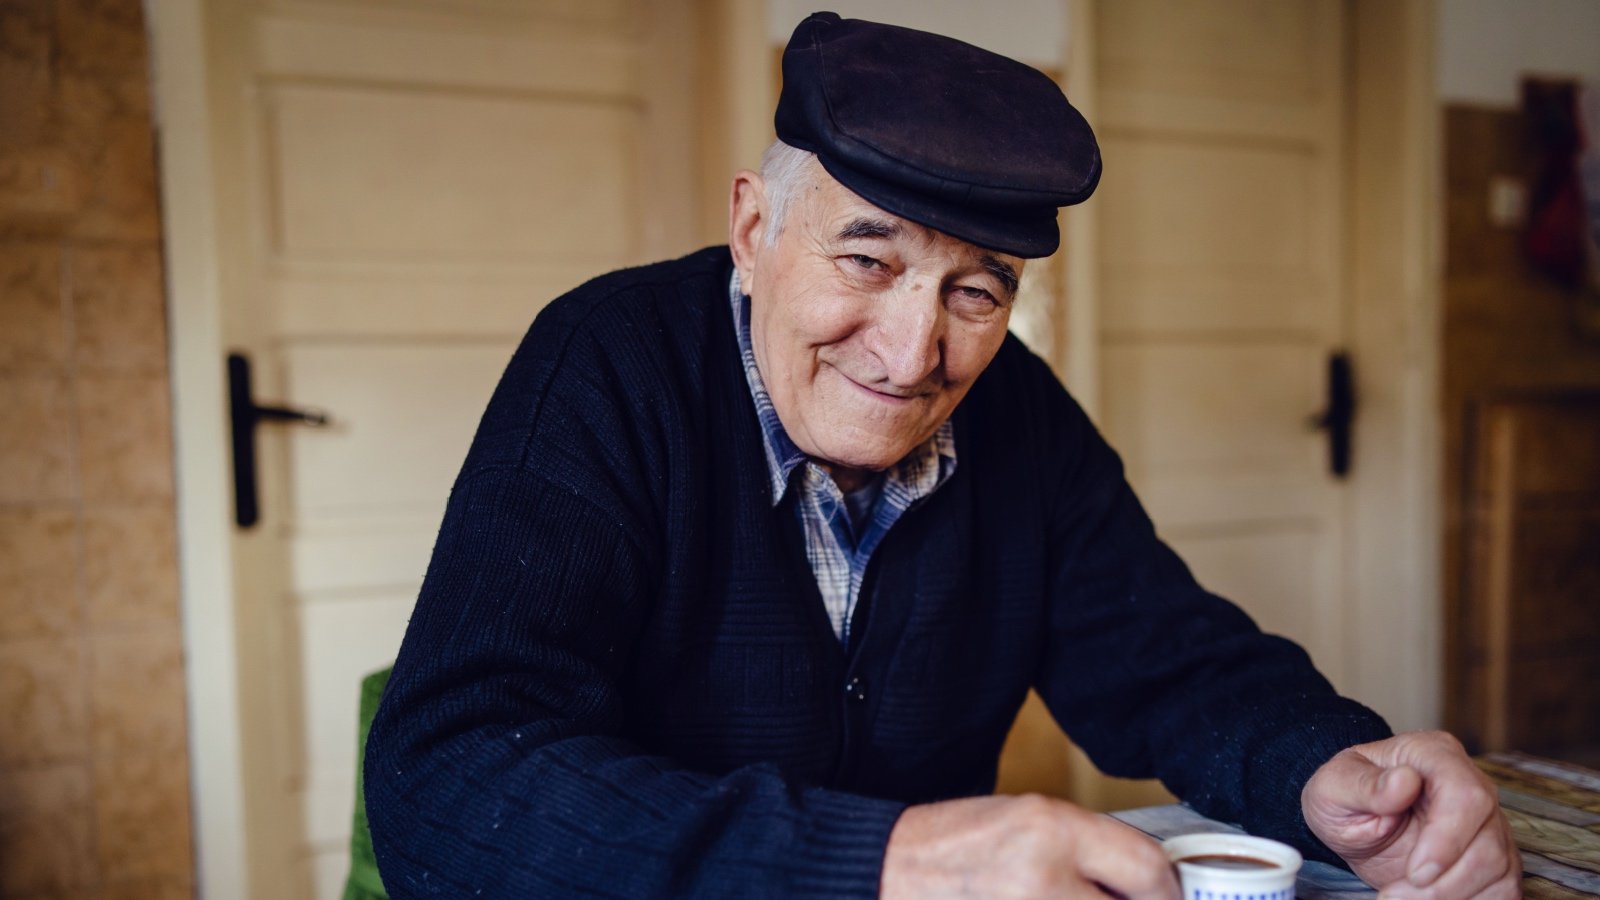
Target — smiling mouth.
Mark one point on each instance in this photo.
(893, 398)
(883, 396)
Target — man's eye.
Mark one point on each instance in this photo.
(976, 294)
(865, 262)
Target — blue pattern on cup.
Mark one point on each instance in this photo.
(1198, 894)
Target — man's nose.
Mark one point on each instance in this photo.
(909, 335)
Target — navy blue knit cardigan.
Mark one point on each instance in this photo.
(619, 679)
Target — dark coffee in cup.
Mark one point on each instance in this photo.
(1233, 866)
(1228, 861)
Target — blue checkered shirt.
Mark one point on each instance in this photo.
(837, 553)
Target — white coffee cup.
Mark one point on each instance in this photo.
(1219, 866)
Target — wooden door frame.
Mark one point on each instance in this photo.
(190, 237)
(737, 77)
(1393, 636)
(1394, 644)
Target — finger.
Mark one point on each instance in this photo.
(1489, 864)
(1124, 862)
(1092, 890)
(1352, 785)
(1507, 888)
(1457, 803)
(1396, 791)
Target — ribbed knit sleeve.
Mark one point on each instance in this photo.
(1154, 676)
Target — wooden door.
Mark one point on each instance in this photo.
(402, 185)
(1221, 291)
(1221, 296)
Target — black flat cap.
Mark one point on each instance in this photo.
(937, 131)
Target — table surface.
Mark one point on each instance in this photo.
(1553, 807)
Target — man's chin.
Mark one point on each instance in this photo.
(875, 460)
(869, 442)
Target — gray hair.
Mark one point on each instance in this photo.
(785, 172)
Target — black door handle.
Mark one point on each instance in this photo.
(244, 414)
(1338, 419)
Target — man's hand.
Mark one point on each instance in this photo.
(1416, 819)
(1021, 847)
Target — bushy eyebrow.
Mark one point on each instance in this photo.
(864, 227)
(1001, 270)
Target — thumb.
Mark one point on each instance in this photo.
(1353, 785)
(1397, 788)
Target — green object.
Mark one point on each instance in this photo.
(364, 883)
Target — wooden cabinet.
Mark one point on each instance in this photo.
(1530, 633)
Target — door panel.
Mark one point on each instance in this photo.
(342, 640)
(1231, 563)
(1232, 49)
(526, 45)
(1206, 204)
(1226, 406)
(402, 423)
(326, 299)
(1210, 236)
(391, 173)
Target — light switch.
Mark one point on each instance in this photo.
(1508, 201)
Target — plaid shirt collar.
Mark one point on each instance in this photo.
(919, 474)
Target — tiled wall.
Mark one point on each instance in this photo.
(94, 798)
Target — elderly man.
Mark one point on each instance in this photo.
(757, 552)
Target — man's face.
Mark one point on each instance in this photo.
(868, 329)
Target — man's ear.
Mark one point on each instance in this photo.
(747, 217)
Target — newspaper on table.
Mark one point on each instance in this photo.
(1317, 881)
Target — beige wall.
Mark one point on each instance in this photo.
(94, 798)
(1486, 46)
